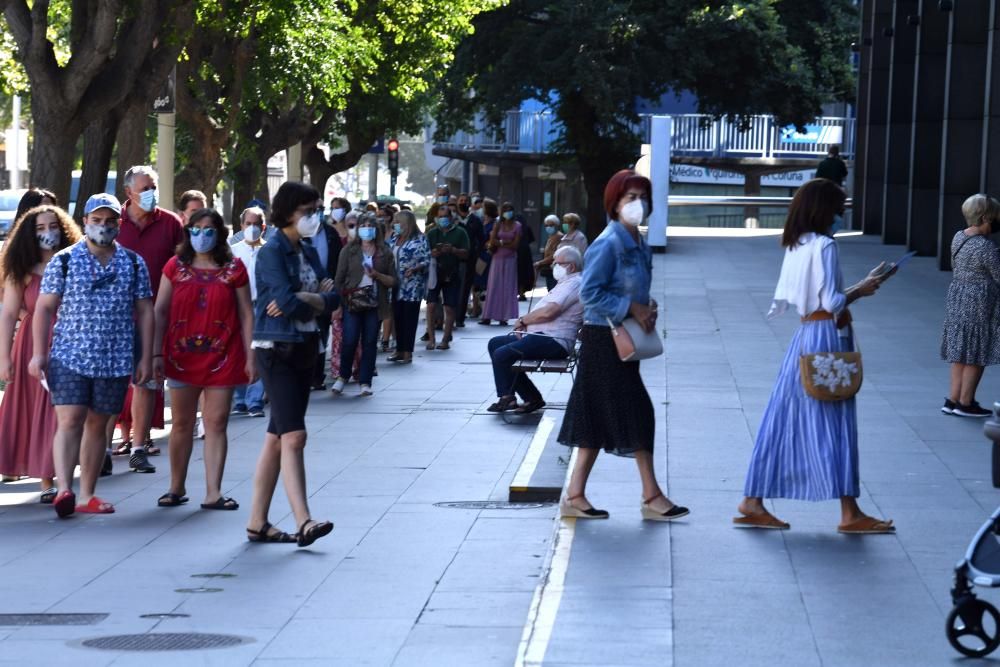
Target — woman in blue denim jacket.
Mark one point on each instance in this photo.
(609, 407)
(292, 291)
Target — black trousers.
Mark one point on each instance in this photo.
(467, 283)
(407, 316)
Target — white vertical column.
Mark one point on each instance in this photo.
(294, 156)
(165, 126)
(659, 174)
(14, 145)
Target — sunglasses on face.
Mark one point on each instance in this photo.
(207, 232)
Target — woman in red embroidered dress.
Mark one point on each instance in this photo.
(204, 327)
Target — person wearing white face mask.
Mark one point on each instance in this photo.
(27, 418)
(292, 291)
(154, 234)
(204, 327)
(547, 332)
(609, 407)
(249, 399)
(365, 275)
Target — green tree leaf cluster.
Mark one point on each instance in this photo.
(592, 62)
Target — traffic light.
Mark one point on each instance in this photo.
(392, 157)
(392, 153)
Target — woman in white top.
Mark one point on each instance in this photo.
(807, 449)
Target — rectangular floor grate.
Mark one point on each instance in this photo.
(51, 619)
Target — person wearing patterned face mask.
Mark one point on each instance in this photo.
(204, 328)
(102, 294)
(154, 234)
(27, 418)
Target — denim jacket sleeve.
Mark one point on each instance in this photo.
(598, 276)
(274, 283)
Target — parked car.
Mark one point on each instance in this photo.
(9, 199)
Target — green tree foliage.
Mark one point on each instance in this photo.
(83, 60)
(592, 62)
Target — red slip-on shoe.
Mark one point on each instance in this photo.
(96, 506)
(65, 504)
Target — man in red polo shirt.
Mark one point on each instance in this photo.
(154, 234)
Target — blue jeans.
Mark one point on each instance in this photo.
(250, 395)
(505, 350)
(361, 326)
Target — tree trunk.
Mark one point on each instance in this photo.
(98, 145)
(52, 153)
(132, 148)
(246, 177)
(319, 169)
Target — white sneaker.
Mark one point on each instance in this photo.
(338, 387)
(366, 390)
(199, 429)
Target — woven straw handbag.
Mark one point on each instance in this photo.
(831, 376)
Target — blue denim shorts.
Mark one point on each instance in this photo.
(103, 395)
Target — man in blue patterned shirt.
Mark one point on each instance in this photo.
(95, 287)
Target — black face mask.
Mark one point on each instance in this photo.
(463, 209)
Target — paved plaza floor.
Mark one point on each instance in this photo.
(405, 579)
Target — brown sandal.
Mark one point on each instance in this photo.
(868, 525)
(762, 520)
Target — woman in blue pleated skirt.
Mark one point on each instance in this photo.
(807, 449)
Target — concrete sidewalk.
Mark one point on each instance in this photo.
(402, 581)
(698, 592)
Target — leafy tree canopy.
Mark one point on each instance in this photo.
(591, 62)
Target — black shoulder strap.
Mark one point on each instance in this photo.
(954, 255)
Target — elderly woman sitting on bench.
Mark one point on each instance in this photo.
(547, 332)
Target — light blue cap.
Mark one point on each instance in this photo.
(102, 200)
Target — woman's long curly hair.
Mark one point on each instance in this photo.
(21, 252)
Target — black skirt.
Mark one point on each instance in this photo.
(609, 407)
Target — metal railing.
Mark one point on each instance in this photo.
(694, 135)
(735, 200)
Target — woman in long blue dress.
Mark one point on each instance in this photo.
(807, 449)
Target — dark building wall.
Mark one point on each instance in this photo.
(929, 121)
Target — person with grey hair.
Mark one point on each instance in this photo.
(970, 340)
(257, 217)
(153, 233)
(547, 332)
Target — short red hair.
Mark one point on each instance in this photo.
(619, 185)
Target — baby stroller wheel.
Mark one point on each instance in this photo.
(973, 628)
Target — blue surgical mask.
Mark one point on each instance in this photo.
(838, 224)
(148, 199)
(398, 228)
(444, 223)
(443, 199)
(366, 233)
(508, 215)
(202, 238)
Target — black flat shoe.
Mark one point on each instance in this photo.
(530, 407)
(171, 500)
(503, 404)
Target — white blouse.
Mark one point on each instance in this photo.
(810, 278)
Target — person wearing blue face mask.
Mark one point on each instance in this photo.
(365, 276)
(204, 329)
(413, 257)
(154, 234)
(449, 246)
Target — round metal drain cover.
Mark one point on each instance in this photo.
(164, 641)
(491, 505)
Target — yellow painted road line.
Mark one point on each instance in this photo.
(548, 594)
